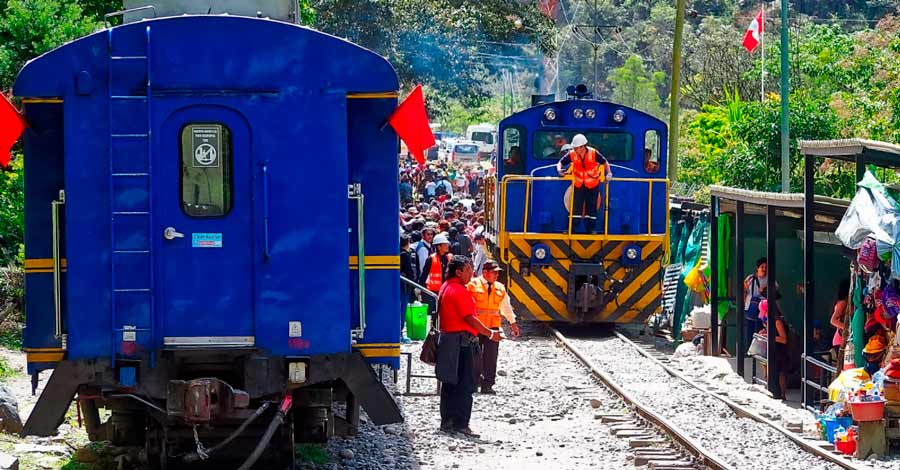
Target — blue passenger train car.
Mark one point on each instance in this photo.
(196, 187)
(556, 270)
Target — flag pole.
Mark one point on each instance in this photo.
(762, 43)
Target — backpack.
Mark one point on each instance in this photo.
(440, 189)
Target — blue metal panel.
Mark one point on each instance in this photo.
(43, 142)
(304, 278)
(382, 285)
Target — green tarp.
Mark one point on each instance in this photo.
(692, 252)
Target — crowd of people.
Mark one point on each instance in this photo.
(443, 250)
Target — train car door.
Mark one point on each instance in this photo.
(204, 220)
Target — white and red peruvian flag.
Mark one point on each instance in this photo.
(754, 33)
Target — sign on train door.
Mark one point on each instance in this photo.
(204, 218)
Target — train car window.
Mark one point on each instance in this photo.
(513, 156)
(615, 146)
(206, 161)
(652, 147)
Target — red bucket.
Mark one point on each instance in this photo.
(867, 410)
(846, 448)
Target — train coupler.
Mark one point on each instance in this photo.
(200, 401)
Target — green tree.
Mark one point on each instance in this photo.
(635, 86)
(29, 28)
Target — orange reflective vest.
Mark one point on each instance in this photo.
(587, 170)
(435, 274)
(487, 300)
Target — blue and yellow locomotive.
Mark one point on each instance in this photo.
(556, 271)
(197, 253)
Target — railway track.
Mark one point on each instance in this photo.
(609, 363)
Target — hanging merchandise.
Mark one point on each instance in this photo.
(891, 301)
(724, 260)
(692, 256)
(872, 213)
(868, 255)
(858, 325)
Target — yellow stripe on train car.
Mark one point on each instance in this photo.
(45, 356)
(375, 352)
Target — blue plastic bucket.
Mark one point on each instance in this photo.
(831, 424)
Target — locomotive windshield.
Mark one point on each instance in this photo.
(615, 146)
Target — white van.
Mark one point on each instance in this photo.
(485, 135)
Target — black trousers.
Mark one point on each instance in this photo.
(585, 200)
(456, 400)
(486, 362)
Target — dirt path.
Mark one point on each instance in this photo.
(37, 453)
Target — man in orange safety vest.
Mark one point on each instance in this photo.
(491, 301)
(589, 168)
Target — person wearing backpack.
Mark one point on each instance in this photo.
(754, 284)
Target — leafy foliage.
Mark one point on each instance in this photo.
(29, 28)
(633, 85)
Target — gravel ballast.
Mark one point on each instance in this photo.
(742, 442)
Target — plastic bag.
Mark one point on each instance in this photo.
(693, 279)
(872, 213)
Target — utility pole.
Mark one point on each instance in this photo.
(676, 91)
(785, 94)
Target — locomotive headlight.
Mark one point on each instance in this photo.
(540, 253)
(631, 253)
(590, 114)
(619, 116)
(578, 113)
(550, 114)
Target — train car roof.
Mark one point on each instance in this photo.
(253, 52)
(573, 103)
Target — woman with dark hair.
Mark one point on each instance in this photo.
(458, 345)
(838, 316)
(754, 286)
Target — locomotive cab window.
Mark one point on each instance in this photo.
(615, 146)
(513, 156)
(206, 161)
(651, 151)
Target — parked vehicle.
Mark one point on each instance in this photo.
(486, 137)
(464, 152)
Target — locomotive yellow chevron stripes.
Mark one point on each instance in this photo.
(541, 293)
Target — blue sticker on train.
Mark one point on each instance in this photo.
(206, 240)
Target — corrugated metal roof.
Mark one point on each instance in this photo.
(847, 147)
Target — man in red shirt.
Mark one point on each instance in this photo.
(459, 327)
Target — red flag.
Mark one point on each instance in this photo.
(11, 126)
(411, 123)
(754, 33)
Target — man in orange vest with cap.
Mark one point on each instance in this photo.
(491, 302)
(589, 168)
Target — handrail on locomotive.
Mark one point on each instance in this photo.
(529, 180)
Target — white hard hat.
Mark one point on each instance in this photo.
(440, 239)
(579, 140)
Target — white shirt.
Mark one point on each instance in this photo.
(422, 253)
(479, 258)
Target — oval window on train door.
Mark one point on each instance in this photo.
(652, 147)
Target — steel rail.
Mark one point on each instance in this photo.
(704, 456)
(746, 412)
